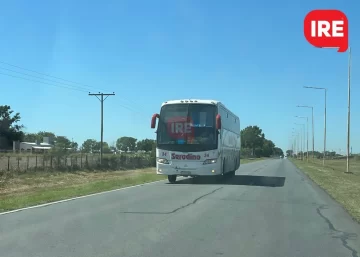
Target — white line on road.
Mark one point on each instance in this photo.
(75, 198)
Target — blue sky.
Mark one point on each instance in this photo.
(251, 55)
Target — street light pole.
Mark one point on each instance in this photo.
(302, 140)
(296, 139)
(312, 124)
(348, 118)
(325, 89)
(324, 132)
(307, 136)
(313, 141)
(294, 143)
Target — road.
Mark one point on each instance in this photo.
(269, 209)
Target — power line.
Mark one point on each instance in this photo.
(74, 82)
(70, 88)
(81, 90)
(66, 84)
(59, 78)
(101, 99)
(133, 110)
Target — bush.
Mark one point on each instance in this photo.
(153, 156)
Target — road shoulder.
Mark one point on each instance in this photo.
(25, 190)
(340, 187)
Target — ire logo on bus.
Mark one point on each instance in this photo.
(327, 29)
(179, 126)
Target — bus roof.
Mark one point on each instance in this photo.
(198, 101)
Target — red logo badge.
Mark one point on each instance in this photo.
(180, 127)
(327, 29)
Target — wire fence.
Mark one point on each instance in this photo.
(72, 163)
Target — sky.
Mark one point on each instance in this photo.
(250, 55)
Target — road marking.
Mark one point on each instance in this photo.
(75, 198)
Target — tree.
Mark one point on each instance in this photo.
(42, 134)
(254, 143)
(289, 152)
(10, 130)
(74, 145)
(126, 143)
(145, 144)
(106, 147)
(252, 137)
(278, 151)
(90, 145)
(62, 142)
(32, 137)
(268, 148)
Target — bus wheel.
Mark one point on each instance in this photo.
(172, 178)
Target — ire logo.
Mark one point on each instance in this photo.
(180, 127)
(327, 29)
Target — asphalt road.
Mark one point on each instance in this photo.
(269, 209)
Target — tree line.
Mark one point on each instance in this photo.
(11, 130)
(253, 140)
(255, 144)
(125, 144)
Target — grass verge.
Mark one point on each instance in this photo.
(343, 187)
(18, 191)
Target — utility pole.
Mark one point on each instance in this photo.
(348, 118)
(101, 99)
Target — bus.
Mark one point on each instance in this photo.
(196, 138)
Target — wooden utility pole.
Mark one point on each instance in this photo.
(101, 99)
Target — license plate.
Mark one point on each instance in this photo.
(184, 172)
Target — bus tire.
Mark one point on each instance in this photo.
(172, 178)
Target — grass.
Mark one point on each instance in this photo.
(25, 190)
(343, 187)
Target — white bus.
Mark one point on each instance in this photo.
(196, 138)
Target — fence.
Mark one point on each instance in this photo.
(79, 162)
